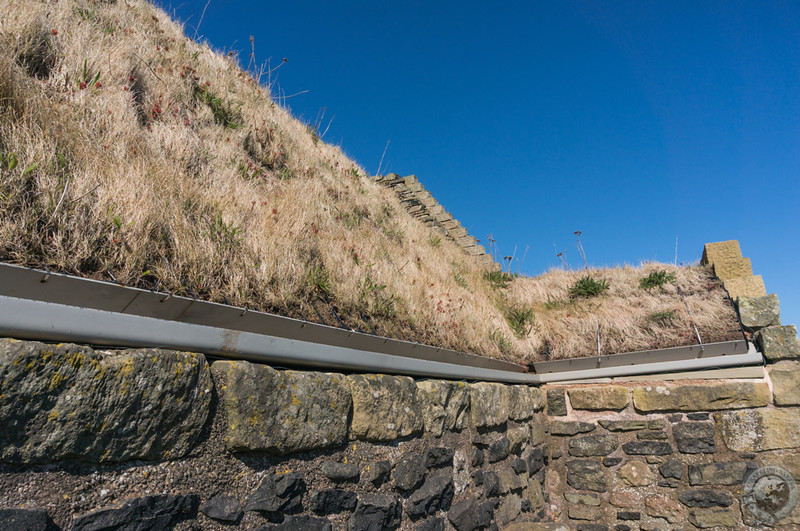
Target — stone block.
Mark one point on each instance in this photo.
(510, 480)
(647, 448)
(707, 397)
(281, 412)
(518, 438)
(535, 495)
(708, 518)
(444, 405)
(570, 427)
(556, 402)
(760, 430)
(785, 376)
(632, 425)
(660, 506)
(779, 342)
(605, 397)
(71, 402)
(583, 498)
(636, 474)
(694, 437)
(726, 259)
(705, 498)
(583, 474)
(509, 509)
(384, 407)
(488, 404)
(583, 512)
(593, 445)
(759, 312)
(163, 511)
(524, 401)
(752, 286)
(720, 473)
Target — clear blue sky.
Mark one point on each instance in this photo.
(633, 121)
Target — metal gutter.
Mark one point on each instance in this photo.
(52, 307)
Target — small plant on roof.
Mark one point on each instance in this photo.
(656, 279)
(587, 287)
(498, 279)
(521, 320)
(662, 318)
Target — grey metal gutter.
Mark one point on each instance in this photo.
(39, 305)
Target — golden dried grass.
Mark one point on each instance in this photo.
(174, 170)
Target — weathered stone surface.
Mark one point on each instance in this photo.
(760, 429)
(498, 450)
(444, 405)
(163, 511)
(779, 342)
(752, 286)
(562, 427)
(439, 456)
(518, 438)
(436, 493)
(556, 402)
(519, 465)
(583, 512)
(535, 460)
(509, 509)
(510, 480)
(582, 498)
(659, 506)
(491, 484)
(606, 397)
(465, 515)
(707, 518)
(431, 524)
(726, 259)
(705, 498)
(672, 469)
(278, 493)
(26, 519)
(651, 436)
(488, 404)
(647, 448)
(720, 473)
(293, 523)
(611, 461)
(378, 473)
(636, 474)
(785, 376)
(535, 495)
(384, 407)
(583, 474)
(625, 498)
(281, 412)
(339, 471)
(524, 401)
(477, 458)
(409, 471)
(697, 416)
(759, 312)
(538, 434)
(330, 501)
(70, 402)
(223, 508)
(694, 437)
(376, 511)
(629, 516)
(591, 445)
(632, 425)
(709, 396)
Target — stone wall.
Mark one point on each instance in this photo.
(422, 205)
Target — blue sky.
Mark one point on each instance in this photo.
(635, 122)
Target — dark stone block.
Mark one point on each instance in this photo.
(570, 427)
(583, 474)
(622, 527)
(591, 527)
(705, 498)
(694, 438)
(629, 515)
(27, 520)
(720, 473)
(525, 506)
(223, 508)
(435, 494)
(340, 471)
(611, 461)
(439, 456)
(330, 501)
(293, 523)
(409, 471)
(499, 450)
(491, 484)
(519, 466)
(697, 416)
(591, 445)
(378, 473)
(163, 511)
(432, 524)
(556, 403)
(477, 478)
(632, 425)
(278, 493)
(669, 483)
(376, 511)
(464, 515)
(647, 448)
(477, 457)
(651, 436)
(536, 459)
(486, 514)
(675, 417)
(672, 469)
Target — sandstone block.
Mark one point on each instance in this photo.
(384, 407)
(583, 512)
(488, 404)
(570, 427)
(632, 425)
(785, 376)
(726, 259)
(535, 495)
(710, 396)
(582, 498)
(524, 401)
(282, 411)
(659, 506)
(707, 518)
(752, 286)
(583, 474)
(593, 445)
(636, 474)
(71, 402)
(779, 342)
(610, 397)
(518, 438)
(760, 429)
(537, 433)
(556, 402)
(759, 312)
(720, 473)
(444, 405)
(509, 509)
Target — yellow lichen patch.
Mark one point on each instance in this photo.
(53, 415)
